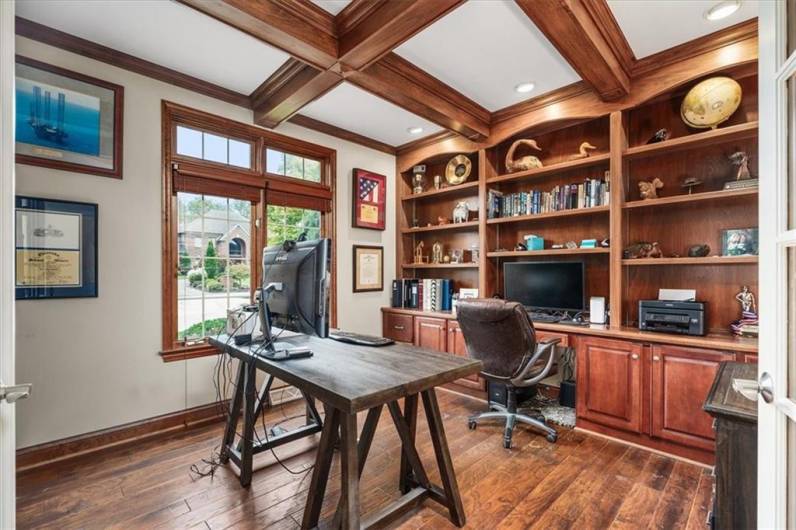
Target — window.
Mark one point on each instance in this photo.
(285, 222)
(221, 209)
(213, 148)
(288, 165)
(214, 275)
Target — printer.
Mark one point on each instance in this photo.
(670, 316)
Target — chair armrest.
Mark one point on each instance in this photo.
(545, 347)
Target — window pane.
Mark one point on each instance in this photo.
(790, 105)
(215, 148)
(275, 162)
(289, 223)
(240, 154)
(189, 142)
(312, 170)
(294, 166)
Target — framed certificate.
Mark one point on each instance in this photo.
(368, 268)
(56, 249)
(369, 206)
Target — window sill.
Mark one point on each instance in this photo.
(183, 353)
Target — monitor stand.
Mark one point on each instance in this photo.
(276, 351)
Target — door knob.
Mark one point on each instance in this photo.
(749, 388)
(13, 393)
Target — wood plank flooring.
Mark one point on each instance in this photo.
(580, 482)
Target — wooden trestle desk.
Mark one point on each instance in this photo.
(348, 379)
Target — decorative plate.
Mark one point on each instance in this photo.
(711, 102)
(458, 169)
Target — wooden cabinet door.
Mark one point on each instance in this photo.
(397, 327)
(609, 382)
(456, 346)
(431, 333)
(681, 379)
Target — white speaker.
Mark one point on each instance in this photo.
(597, 310)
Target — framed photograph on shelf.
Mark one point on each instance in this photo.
(69, 121)
(369, 208)
(739, 242)
(368, 268)
(56, 249)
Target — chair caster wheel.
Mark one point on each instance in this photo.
(552, 438)
(507, 444)
(471, 425)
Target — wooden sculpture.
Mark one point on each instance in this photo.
(419, 258)
(583, 151)
(524, 163)
(649, 190)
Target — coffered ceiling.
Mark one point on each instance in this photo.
(377, 67)
(462, 50)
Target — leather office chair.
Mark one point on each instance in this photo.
(502, 337)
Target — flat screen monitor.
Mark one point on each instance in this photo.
(545, 285)
(296, 286)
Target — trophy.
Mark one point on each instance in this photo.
(417, 179)
(743, 179)
(747, 325)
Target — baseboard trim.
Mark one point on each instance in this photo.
(36, 456)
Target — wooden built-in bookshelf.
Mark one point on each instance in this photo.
(675, 220)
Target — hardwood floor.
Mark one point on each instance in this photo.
(580, 482)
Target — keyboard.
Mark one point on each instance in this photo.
(544, 317)
(361, 340)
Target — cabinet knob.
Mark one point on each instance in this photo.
(399, 328)
(634, 356)
(656, 358)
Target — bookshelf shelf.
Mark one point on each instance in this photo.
(440, 266)
(710, 260)
(549, 170)
(437, 228)
(694, 197)
(551, 215)
(461, 189)
(548, 252)
(694, 141)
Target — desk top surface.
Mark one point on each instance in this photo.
(352, 378)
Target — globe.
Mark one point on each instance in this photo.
(711, 102)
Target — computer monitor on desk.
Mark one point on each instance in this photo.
(295, 293)
(545, 285)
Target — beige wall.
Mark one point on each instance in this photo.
(94, 362)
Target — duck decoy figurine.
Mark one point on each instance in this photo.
(524, 163)
(583, 151)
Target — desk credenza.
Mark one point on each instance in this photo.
(642, 387)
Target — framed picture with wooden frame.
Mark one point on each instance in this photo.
(368, 268)
(369, 205)
(66, 120)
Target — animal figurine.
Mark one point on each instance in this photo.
(655, 251)
(698, 251)
(524, 163)
(642, 249)
(649, 190)
(442, 220)
(461, 212)
(659, 136)
(583, 151)
(741, 159)
(419, 258)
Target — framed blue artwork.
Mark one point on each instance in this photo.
(65, 120)
(56, 249)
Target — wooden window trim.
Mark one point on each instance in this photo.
(201, 176)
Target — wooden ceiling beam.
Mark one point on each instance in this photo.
(287, 90)
(367, 30)
(404, 84)
(298, 27)
(586, 34)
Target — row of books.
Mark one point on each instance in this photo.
(425, 294)
(588, 194)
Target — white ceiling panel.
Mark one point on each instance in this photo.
(656, 25)
(356, 110)
(165, 33)
(484, 49)
(332, 6)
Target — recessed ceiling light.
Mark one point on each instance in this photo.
(414, 130)
(722, 10)
(524, 88)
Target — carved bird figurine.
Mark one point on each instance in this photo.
(524, 163)
(583, 151)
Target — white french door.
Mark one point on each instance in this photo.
(7, 442)
(776, 481)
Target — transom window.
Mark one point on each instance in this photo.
(213, 147)
(289, 165)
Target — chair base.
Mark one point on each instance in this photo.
(511, 419)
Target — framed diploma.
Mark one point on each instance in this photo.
(369, 206)
(368, 268)
(56, 249)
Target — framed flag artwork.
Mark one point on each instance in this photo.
(370, 200)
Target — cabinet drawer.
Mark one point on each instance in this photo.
(397, 327)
